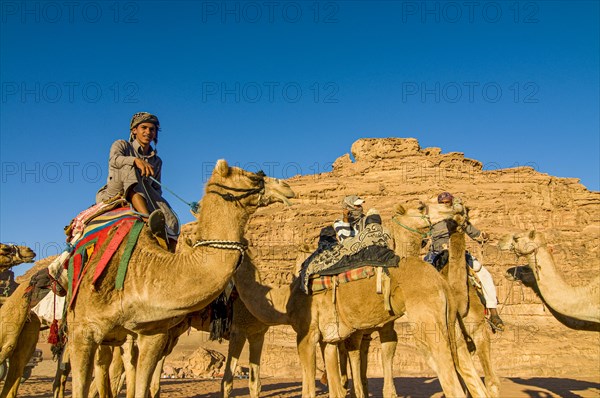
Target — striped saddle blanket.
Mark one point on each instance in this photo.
(319, 283)
(101, 238)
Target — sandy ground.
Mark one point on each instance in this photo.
(40, 385)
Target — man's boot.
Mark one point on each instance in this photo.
(158, 227)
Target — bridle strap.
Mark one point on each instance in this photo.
(245, 191)
(423, 234)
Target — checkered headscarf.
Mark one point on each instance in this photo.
(143, 117)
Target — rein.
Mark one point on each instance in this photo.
(245, 192)
(423, 234)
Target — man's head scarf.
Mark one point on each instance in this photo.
(143, 117)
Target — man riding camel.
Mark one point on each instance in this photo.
(134, 171)
(440, 236)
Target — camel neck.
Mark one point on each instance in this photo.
(457, 270)
(266, 303)
(408, 243)
(220, 219)
(555, 290)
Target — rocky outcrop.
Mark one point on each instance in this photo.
(202, 363)
(391, 170)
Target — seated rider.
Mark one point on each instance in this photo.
(130, 166)
(440, 237)
(353, 218)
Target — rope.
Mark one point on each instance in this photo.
(225, 244)
(423, 234)
(193, 206)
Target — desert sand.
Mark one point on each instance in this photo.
(40, 384)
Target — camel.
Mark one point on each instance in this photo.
(11, 255)
(416, 289)
(161, 287)
(409, 229)
(524, 275)
(579, 302)
(471, 309)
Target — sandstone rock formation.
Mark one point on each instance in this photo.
(391, 170)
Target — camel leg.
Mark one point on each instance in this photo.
(389, 341)
(101, 364)
(150, 349)
(256, 342)
(432, 339)
(343, 353)
(332, 364)
(63, 368)
(155, 383)
(116, 372)
(130, 356)
(237, 339)
(466, 367)
(481, 336)
(307, 353)
(20, 356)
(83, 347)
(353, 345)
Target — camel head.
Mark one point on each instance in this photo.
(250, 190)
(523, 243)
(412, 218)
(11, 255)
(458, 211)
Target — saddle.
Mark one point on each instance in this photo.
(99, 238)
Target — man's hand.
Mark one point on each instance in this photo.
(345, 214)
(146, 168)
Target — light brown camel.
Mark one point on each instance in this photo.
(161, 287)
(11, 255)
(409, 227)
(471, 309)
(579, 302)
(416, 289)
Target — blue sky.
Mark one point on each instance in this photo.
(286, 87)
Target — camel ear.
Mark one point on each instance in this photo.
(399, 209)
(532, 234)
(222, 167)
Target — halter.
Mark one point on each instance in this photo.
(259, 179)
(245, 192)
(225, 245)
(423, 234)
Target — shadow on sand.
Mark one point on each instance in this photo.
(562, 387)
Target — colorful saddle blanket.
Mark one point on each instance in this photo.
(369, 247)
(101, 238)
(324, 282)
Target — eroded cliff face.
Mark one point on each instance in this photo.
(392, 170)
